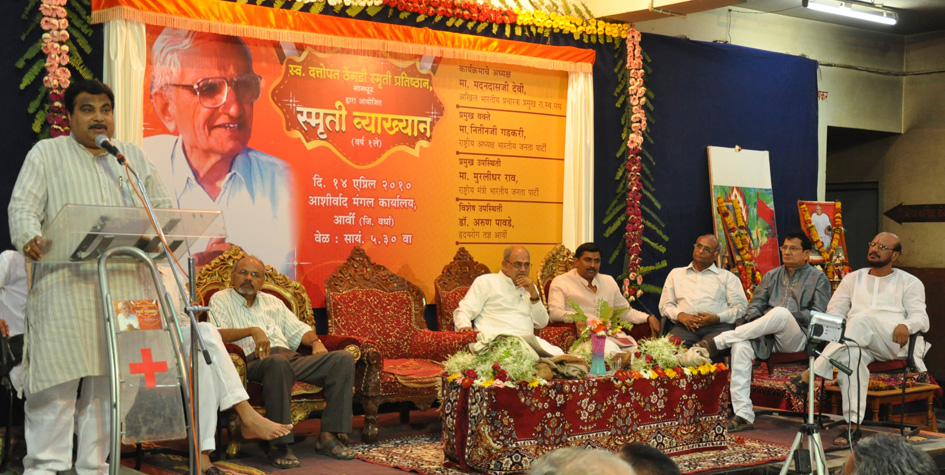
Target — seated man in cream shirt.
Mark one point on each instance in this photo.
(585, 285)
(505, 303)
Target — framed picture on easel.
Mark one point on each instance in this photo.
(822, 221)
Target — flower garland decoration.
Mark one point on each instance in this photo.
(657, 358)
(51, 61)
(637, 99)
(833, 262)
(579, 22)
(738, 234)
(57, 78)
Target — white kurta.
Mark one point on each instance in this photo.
(495, 305)
(873, 307)
(64, 331)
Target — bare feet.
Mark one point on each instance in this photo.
(255, 426)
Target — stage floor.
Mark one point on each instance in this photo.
(775, 429)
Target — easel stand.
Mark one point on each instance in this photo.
(810, 429)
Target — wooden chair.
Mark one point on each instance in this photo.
(453, 283)
(385, 312)
(306, 398)
(558, 261)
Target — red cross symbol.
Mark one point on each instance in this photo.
(148, 368)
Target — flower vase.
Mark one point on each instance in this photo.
(597, 349)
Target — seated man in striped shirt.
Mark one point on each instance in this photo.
(269, 334)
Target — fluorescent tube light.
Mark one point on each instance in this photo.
(855, 10)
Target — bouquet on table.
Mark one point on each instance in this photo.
(593, 338)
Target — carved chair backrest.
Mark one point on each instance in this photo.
(558, 261)
(453, 283)
(367, 300)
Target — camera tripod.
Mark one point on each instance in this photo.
(810, 429)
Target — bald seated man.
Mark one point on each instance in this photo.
(882, 306)
(505, 303)
(269, 334)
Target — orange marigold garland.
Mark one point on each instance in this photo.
(833, 260)
(738, 234)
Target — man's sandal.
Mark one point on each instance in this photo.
(846, 438)
(335, 449)
(797, 387)
(281, 456)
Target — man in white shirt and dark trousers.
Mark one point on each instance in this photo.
(700, 299)
(269, 334)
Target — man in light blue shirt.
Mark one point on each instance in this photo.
(204, 89)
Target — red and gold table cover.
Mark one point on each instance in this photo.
(504, 429)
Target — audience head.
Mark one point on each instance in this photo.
(647, 460)
(587, 260)
(516, 262)
(795, 250)
(886, 454)
(884, 250)
(580, 461)
(705, 251)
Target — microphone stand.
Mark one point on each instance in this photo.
(195, 339)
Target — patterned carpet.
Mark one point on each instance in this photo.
(424, 454)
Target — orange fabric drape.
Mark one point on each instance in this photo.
(303, 27)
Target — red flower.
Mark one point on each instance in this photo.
(649, 359)
(467, 383)
(502, 375)
(470, 373)
(621, 375)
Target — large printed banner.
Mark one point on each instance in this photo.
(309, 151)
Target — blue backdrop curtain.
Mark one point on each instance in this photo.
(719, 95)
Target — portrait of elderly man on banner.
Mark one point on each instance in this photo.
(203, 91)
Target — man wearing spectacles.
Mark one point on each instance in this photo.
(701, 300)
(882, 306)
(505, 303)
(203, 88)
(778, 316)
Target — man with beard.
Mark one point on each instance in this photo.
(269, 335)
(586, 286)
(882, 307)
(505, 303)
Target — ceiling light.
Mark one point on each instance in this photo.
(854, 9)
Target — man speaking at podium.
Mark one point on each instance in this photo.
(65, 349)
(65, 344)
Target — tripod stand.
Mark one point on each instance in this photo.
(802, 457)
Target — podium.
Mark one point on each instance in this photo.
(84, 232)
(145, 354)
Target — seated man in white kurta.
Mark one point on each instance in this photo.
(505, 303)
(585, 285)
(882, 306)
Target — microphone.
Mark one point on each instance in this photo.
(102, 142)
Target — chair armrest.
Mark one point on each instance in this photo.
(439, 346)
(239, 360)
(559, 334)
